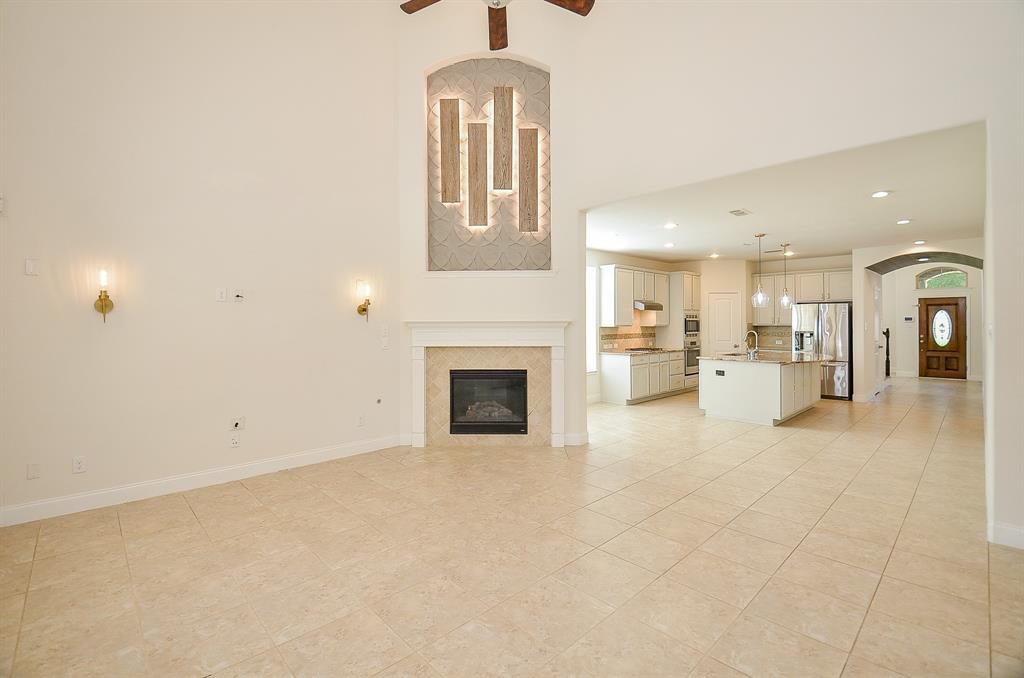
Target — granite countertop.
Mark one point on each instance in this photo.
(643, 352)
(774, 357)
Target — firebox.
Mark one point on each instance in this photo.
(488, 402)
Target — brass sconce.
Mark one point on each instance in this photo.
(103, 303)
(363, 289)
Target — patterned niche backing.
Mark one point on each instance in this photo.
(452, 245)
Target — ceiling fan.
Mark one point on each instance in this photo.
(496, 21)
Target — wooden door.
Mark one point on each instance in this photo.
(942, 337)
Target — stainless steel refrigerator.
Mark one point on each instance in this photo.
(827, 330)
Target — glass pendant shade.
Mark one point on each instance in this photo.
(760, 299)
(785, 300)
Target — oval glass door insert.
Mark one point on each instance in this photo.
(942, 327)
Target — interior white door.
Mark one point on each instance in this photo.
(724, 324)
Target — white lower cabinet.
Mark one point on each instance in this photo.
(627, 378)
(757, 392)
(640, 381)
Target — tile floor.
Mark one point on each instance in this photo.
(849, 542)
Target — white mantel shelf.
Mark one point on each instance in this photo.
(424, 334)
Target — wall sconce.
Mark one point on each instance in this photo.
(103, 303)
(363, 290)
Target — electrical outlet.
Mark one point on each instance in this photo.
(238, 424)
(78, 464)
(31, 471)
(236, 439)
(238, 296)
(361, 421)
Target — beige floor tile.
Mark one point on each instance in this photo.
(689, 616)
(77, 531)
(170, 542)
(816, 615)
(858, 667)
(292, 612)
(100, 649)
(189, 601)
(619, 646)
(266, 665)
(66, 607)
(957, 617)
(729, 494)
(712, 668)
(323, 525)
(678, 480)
(491, 575)
(254, 546)
(648, 550)
(914, 651)
(857, 552)
(428, 610)
(351, 545)
(831, 577)
(1004, 666)
(608, 480)
(605, 577)
(206, 646)
(940, 575)
(760, 648)
(357, 645)
(769, 527)
(489, 646)
(139, 519)
(7, 647)
(14, 578)
(1006, 561)
(78, 567)
(787, 509)
(589, 526)
(874, 527)
(1007, 593)
(543, 508)
(720, 578)
(18, 543)
(623, 508)
(554, 613)
(753, 552)
(386, 573)
(547, 549)
(653, 493)
(690, 532)
(278, 572)
(1008, 632)
(708, 510)
(413, 666)
(173, 569)
(10, 614)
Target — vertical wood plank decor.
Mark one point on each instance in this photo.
(502, 138)
(477, 173)
(451, 162)
(528, 220)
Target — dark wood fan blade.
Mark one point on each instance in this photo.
(416, 5)
(497, 26)
(581, 7)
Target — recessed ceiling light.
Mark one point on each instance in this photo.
(924, 259)
(670, 225)
(880, 194)
(714, 255)
(670, 244)
(903, 222)
(919, 242)
(789, 253)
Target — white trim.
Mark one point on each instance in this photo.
(424, 334)
(72, 503)
(1006, 534)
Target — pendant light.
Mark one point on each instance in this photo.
(760, 298)
(785, 300)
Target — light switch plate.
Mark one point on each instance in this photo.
(31, 267)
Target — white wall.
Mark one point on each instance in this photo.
(808, 264)
(186, 147)
(723, 275)
(900, 298)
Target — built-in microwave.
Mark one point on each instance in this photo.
(691, 324)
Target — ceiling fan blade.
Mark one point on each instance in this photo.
(581, 7)
(497, 27)
(416, 5)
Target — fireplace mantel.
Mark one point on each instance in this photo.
(424, 334)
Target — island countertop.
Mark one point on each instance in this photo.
(775, 357)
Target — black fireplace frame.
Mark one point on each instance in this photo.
(487, 427)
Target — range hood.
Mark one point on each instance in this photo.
(646, 305)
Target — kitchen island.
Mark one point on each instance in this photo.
(633, 376)
(767, 389)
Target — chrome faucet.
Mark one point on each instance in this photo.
(751, 352)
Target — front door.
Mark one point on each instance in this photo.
(942, 337)
(723, 323)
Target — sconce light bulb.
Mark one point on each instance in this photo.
(103, 279)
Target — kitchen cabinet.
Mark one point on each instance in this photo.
(621, 286)
(630, 377)
(774, 313)
(691, 292)
(766, 315)
(758, 391)
(810, 287)
(839, 285)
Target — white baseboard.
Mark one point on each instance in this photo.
(72, 503)
(1006, 534)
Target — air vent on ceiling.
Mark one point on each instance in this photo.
(740, 212)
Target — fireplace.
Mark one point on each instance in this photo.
(488, 402)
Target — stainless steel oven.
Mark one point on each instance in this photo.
(691, 325)
(692, 366)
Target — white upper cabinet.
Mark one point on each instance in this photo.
(783, 316)
(766, 315)
(691, 292)
(839, 285)
(810, 287)
(648, 287)
(661, 295)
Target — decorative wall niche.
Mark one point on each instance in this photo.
(488, 169)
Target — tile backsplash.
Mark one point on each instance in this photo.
(634, 336)
(775, 337)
